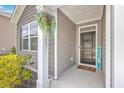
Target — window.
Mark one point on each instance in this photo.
(30, 36)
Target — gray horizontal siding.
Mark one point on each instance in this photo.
(51, 54)
(66, 42)
(103, 43)
(26, 17)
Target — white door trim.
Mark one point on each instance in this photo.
(79, 42)
(108, 47)
(55, 56)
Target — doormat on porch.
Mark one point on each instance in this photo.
(87, 68)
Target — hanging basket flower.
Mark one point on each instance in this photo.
(46, 21)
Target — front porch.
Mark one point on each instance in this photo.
(80, 31)
(77, 78)
(66, 49)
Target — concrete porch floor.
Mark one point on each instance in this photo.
(77, 78)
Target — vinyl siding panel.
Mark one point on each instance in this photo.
(27, 17)
(7, 33)
(103, 43)
(66, 42)
(51, 55)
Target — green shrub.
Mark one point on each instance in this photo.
(13, 50)
(12, 72)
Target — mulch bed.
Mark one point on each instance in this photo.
(31, 83)
(92, 69)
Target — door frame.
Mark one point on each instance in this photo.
(96, 30)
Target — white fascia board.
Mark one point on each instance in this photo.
(17, 13)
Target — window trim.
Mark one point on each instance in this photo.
(29, 38)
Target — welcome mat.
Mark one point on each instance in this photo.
(87, 68)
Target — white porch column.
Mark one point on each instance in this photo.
(118, 44)
(43, 81)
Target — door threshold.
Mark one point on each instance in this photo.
(88, 65)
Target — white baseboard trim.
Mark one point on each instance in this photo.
(41, 84)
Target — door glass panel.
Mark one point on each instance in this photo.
(87, 40)
(87, 47)
(91, 28)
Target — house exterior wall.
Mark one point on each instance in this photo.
(103, 43)
(26, 17)
(7, 33)
(51, 55)
(99, 35)
(66, 42)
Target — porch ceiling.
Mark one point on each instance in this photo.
(82, 13)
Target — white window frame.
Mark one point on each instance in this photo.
(29, 38)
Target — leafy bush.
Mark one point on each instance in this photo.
(12, 72)
(13, 50)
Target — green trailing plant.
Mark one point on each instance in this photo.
(46, 22)
(12, 72)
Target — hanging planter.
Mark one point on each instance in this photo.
(46, 22)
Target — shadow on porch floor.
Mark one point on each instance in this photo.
(77, 78)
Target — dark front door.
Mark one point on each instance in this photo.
(88, 47)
